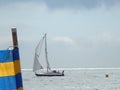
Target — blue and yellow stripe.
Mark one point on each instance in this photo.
(10, 71)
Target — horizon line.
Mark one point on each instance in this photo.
(29, 69)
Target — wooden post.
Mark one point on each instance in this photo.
(14, 36)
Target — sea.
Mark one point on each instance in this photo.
(74, 79)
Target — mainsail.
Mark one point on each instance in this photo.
(37, 65)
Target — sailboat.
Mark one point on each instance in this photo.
(37, 67)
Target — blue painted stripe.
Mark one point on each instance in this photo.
(8, 83)
(9, 55)
(11, 82)
(16, 54)
(6, 56)
(19, 80)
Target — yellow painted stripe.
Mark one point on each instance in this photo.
(7, 69)
(10, 68)
(20, 88)
(17, 66)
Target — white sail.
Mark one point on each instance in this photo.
(36, 64)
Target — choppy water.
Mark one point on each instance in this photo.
(76, 79)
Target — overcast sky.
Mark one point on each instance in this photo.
(80, 33)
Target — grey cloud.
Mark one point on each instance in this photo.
(72, 4)
(79, 4)
(67, 4)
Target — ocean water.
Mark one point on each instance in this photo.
(74, 79)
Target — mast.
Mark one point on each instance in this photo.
(48, 66)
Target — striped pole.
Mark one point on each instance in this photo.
(16, 60)
(10, 70)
